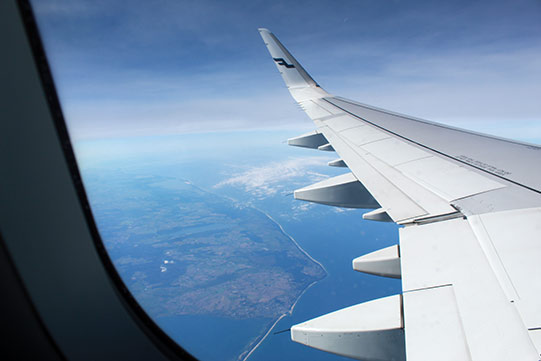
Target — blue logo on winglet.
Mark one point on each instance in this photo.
(281, 61)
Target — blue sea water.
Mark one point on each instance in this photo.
(334, 245)
(228, 337)
(226, 164)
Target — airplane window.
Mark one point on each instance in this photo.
(178, 119)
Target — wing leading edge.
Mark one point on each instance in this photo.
(469, 250)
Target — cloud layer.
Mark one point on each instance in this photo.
(274, 177)
(169, 66)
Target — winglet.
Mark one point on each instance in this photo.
(293, 73)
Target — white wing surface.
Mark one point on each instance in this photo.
(470, 247)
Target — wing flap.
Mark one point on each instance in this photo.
(535, 335)
(399, 206)
(448, 253)
(402, 197)
(433, 326)
(427, 179)
(514, 239)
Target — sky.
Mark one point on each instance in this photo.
(158, 67)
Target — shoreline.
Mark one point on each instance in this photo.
(294, 241)
(292, 308)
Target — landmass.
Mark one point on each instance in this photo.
(184, 251)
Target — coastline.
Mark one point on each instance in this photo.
(292, 308)
(259, 340)
(294, 241)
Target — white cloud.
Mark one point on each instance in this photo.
(300, 207)
(274, 177)
(231, 112)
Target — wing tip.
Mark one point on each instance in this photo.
(264, 30)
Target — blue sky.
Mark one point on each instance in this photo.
(161, 67)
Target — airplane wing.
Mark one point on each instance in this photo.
(469, 252)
